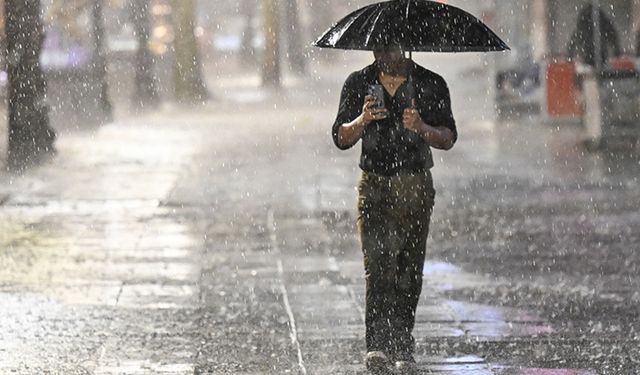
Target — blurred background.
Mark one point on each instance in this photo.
(129, 49)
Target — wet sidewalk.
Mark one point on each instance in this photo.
(97, 277)
(221, 240)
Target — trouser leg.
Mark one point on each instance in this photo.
(380, 244)
(409, 286)
(378, 237)
(416, 198)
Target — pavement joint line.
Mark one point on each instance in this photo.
(292, 321)
(119, 294)
(283, 289)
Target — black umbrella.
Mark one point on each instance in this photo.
(414, 25)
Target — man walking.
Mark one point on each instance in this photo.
(395, 192)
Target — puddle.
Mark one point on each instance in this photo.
(542, 371)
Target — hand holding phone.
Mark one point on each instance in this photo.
(371, 110)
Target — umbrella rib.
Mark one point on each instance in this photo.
(373, 26)
(351, 22)
(336, 37)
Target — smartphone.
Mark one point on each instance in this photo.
(377, 91)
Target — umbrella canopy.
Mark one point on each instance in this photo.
(414, 25)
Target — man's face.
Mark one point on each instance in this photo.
(388, 57)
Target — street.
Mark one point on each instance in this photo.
(221, 239)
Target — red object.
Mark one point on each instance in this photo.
(562, 91)
(622, 63)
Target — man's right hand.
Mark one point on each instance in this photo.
(349, 134)
(370, 112)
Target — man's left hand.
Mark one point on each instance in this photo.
(411, 118)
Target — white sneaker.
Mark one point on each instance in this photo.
(378, 363)
(407, 367)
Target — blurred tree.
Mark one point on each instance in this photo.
(100, 61)
(247, 52)
(66, 13)
(3, 39)
(294, 32)
(271, 58)
(188, 83)
(146, 89)
(322, 18)
(30, 135)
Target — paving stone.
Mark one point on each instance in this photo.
(435, 313)
(436, 330)
(333, 352)
(330, 331)
(90, 294)
(158, 296)
(504, 329)
(473, 312)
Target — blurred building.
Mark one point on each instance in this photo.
(540, 29)
(69, 40)
(235, 28)
(536, 73)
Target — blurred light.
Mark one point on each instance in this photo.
(161, 10)
(160, 32)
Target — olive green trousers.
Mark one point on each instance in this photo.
(393, 222)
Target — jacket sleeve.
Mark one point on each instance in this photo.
(439, 112)
(351, 102)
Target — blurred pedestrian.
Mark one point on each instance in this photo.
(582, 42)
(408, 114)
